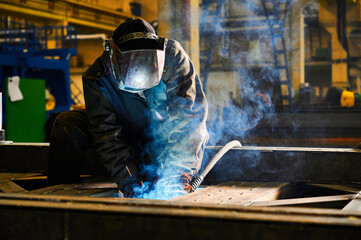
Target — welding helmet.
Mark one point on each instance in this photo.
(135, 70)
(136, 59)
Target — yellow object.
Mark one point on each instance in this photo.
(347, 99)
(77, 107)
(49, 100)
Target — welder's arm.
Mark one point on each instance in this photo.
(115, 153)
(187, 111)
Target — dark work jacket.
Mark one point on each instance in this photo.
(163, 126)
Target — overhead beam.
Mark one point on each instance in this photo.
(102, 18)
(28, 11)
(89, 24)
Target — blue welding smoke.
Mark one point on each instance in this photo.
(243, 54)
(244, 43)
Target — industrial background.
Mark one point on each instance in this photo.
(283, 77)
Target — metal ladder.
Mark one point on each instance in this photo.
(273, 10)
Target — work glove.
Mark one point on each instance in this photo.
(128, 190)
(172, 186)
(185, 180)
(178, 183)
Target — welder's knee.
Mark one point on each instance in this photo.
(70, 139)
(70, 118)
(70, 123)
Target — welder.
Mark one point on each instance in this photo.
(145, 114)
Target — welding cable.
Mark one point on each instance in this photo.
(199, 179)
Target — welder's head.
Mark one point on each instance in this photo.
(136, 55)
(125, 38)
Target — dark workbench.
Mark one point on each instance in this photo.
(252, 193)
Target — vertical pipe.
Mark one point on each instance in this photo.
(2, 89)
(164, 16)
(55, 37)
(194, 34)
(45, 38)
(302, 48)
(174, 25)
(179, 20)
(63, 33)
(75, 37)
(1, 112)
(212, 43)
(2, 132)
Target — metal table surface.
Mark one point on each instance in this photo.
(273, 193)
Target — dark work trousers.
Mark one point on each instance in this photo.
(71, 149)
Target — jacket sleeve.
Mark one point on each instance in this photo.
(115, 153)
(187, 112)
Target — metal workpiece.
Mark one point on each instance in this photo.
(230, 210)
(68, 217)
(24, 157)
(247, 163)
(286, 164)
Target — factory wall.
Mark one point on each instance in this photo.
(315, 54)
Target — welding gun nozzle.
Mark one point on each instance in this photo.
(196, 182)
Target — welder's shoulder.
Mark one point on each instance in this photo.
(173, 47)
(175, 59)
(175, 54)
(96, 70)
(170, 44)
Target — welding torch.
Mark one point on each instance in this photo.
(196, 181)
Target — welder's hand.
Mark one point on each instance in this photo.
(128, 191)
(128, 194)
(185, 180)
(178, 182)
(119, 194)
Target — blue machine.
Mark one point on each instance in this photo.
(44, 52)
